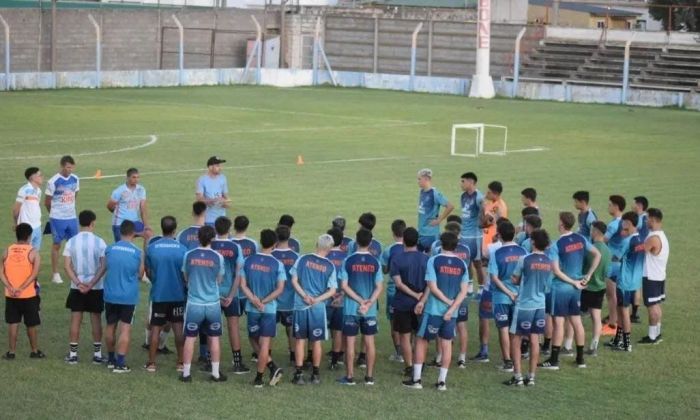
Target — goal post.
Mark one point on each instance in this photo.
(479, 137)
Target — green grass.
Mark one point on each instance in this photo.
(261, 131)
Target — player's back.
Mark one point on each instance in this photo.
(248, 246)
(448, 272)
(315, 274)
(535, 276)
(571, 251)
(203, 266)
(287, 257)
(632, 264)
(164, 261)
(189, 237)
(233, 257)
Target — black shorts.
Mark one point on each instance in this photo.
(653, 291)
(405, 322)
(164, 312)
(115, 312)
(592, 300)
(17, 310)
(286, 318)
(91, 301)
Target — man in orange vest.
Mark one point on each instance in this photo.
(20, 267)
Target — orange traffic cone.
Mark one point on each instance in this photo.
(300, 160)
(98, 174)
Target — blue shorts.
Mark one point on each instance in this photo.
(63, 230)
(548, 303)
(367, 325)
(286, 318)
(614, 270)
(335, 318)
(37, 233)
(463, 312)
(426, 242)
(503, 314)
(474, 245)
(138, 230)
(486, 305)
(261, 325)
(435, 325)
(527, 321)
(566, 302)
(310, 323)
(390, 306)
(625, 298)
(206, 318)
(235, 308)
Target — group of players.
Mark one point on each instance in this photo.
(531, 286)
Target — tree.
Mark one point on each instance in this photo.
(681, 17)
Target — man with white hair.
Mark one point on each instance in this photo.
(314, 280)
(429, 216)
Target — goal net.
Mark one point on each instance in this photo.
(471, 140)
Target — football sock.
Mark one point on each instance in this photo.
(417, 371)
(443, 375)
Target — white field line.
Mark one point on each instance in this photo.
(151, 142)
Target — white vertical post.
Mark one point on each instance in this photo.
(414, 44)
(315, 58)
(98, 51)
(181, 51)
(482, 84)
(626, 71)
(7, 52)
(255, 53)
(516, 62)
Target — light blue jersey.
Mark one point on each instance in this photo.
(387, 255)
(501, 265)
(294, 245)
(362, 272)
(213, 187)
(128, 203)
(203, 268)
(570, 252)
(429, 203)
(233, 261)
(121, 284)
(535, 273)
(471, 214)
(164, 265)
(62, 191)
(375, 248)
(642, 227)
(632, 268)
(262, 274)
(316, 275)
(248, 246)
(285, 301)
(448, 272)
(189, 237)
(613, 235)
(585, 220)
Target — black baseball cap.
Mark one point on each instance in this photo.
(215, 160)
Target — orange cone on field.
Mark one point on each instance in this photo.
(300, 160)
(98, 174)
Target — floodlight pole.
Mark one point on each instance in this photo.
(482, 84)
(414, 44)
(7, 52)
(626, 70)
(181, 51)
(516, 62)
(98, 52)
(320, 53)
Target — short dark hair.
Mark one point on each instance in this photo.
(397, 228)
(567, 219)
(640, 199)
(363, 237)
(198, 208)
(30, 171)
(66, 160)
(286, 220)
(539, 239)
(339, 222)
(529, 193)
(655, 213)
(453, 227)
(86, 217)
(131, 171)
(222, 225)
(454, 218)
(168, 225)
(469, 175)
(410, 237)
(268, 238)
(23, 232)
(581, 196)
(337, 235)
(600, 226)
(127, 228)
(448, 241)
(496, 186)
(240, 223)
(631, 217)
(506, 231)
(533, 220)
(205, 234)
(502, 220)
(283, 233)
(367, 221)
(619, 201)
(530, 211)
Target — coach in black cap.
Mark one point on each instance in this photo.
(212, 188)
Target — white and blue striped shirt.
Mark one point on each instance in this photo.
(85, 250)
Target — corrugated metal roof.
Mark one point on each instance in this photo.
(587, 8)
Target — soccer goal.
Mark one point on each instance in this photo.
(479, 139)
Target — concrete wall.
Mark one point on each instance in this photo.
(613, 35)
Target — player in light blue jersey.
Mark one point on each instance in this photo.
(262, 281)
(368, 221)
(339, 223)
(128, 202)
(615, 241)
(204, 271)
(231, 305)
(568, 255)
(334, 306)
(532, 222)
(163, 265)
(125, 266)
(293, 243)
(59, 199)
(397, 228)
(504, 293)
(641, 204)
(249, 247)
(586, 215)
(314, 280)
(189, 236)
(285, 301)
(532, 275)
(429, 217)
(629, 281)
(361, 279)
(212, 189)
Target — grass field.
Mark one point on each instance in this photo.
(362, 149)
